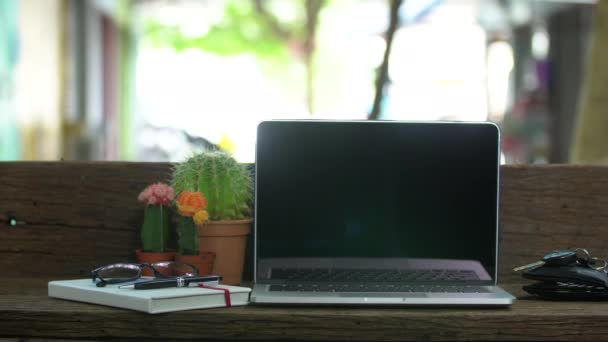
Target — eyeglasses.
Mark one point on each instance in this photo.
(125, 272)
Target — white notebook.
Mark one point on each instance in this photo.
(150, 301)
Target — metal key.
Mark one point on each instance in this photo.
(554, 258)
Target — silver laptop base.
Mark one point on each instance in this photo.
(495, 296)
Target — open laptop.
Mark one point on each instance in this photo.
(377, 212)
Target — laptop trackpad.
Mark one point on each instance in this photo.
(382, 295)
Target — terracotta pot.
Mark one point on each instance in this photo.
(151, 257)
(227, 239)
(203, 261)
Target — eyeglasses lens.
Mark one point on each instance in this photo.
(175, 269)
(119, 272)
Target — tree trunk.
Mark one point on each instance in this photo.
(382, 76)
(591, 135)
(313, 7)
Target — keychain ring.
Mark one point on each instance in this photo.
(598, 268)
(591, 260)
(587, 256)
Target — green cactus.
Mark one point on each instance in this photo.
(225, 183)
(187, 236)
(155, 229)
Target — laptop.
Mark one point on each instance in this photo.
(377, 212)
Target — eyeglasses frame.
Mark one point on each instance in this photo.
(140, 267)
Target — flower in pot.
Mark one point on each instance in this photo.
(191, 209)
(229, 189)
(155, 228)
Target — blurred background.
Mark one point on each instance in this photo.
(155, 80)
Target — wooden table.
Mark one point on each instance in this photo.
(79, 215)
(26, 311)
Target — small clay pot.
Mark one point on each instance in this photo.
(203, 261)
(227, 239)
(152, 257)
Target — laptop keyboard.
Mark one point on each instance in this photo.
(365, 276)
(341, 287)
(358, 280)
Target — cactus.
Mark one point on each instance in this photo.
(155, 229)
(187, 236)
(227, 185)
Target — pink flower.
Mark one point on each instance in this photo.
(143, 196)
(158, 193)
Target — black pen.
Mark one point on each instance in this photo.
(174, 282)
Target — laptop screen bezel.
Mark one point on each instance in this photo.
(494, 280)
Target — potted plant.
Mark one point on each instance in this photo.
(229, 190)
(155, 228)
(191, 208)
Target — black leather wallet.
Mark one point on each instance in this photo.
(569, 282)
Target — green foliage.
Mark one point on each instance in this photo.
(187, 236)
(242, 30)
(225, 183)
(155, 229)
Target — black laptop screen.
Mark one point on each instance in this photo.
(377, 190)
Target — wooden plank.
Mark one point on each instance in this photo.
(76, 214)
(27, 311)
(80, 214)
(41, 340)
(551, 207)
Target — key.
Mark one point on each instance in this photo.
(554, 258)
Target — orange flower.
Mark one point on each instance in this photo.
(189, 202)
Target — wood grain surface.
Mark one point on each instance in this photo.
(551, 207)
(78, 215)
(26, 311)
(74, 216)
